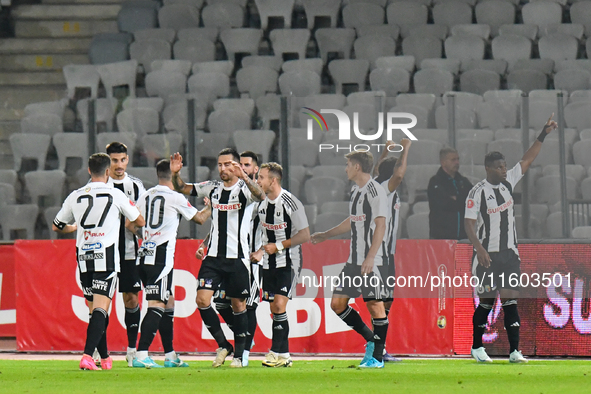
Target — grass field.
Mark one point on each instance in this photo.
(338, 376)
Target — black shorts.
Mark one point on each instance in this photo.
(504, 264)
(101, 283)
(353, 284)
(388, 271)
(281, 281)
(220, 296)
(157, 287)
(129, 277)
(233, 273)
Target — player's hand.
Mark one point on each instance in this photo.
(367, 266)
(257, 256)
(238, 171)
(270, 249)
(405, 142)
(550, 125)
(200, 254)
(176, 162)
(317, 238)
(483, 257)
(206, 201)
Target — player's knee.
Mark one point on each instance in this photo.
(203, 302)
(130, 300)
(338, 305)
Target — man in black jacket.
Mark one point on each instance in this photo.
(447, 194)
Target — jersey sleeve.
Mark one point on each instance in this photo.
(184, 207)
(514, 175)
(141, 189)
(203, 189)
(378, 201)
(386, 187)
(298, 216)
(126, 206)
(473, 203)
(65, 214)
(141, 203)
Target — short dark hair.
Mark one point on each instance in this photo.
(446, 151)
(163, 169)
(98, 164)
(385, 169)
(491, 157)
(252, 155)
(364, 159)
(116, 147)
(275, 169)
(230, 151)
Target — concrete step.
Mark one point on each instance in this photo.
(44, 45)
(39, 62)
(65, 11)
(16, 98)
(63, 28)
(51, 78)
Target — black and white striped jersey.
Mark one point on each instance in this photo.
(231, 216)
(280, 220)
(367, 203)
(392, 219)
(133, 188)
(162, 208)
(492, 207)
(97, 208)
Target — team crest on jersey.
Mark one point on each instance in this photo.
(87, 189)
(470, 203)
(86, 235)
(278, 214)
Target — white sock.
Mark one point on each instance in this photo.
(142, 355)
(245, 353)
(171, 356)
(130, 349)
(284, 355)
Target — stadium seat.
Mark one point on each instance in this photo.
(495, 13)
(528, 31)
(321, 8)
(417, 178)
(146, 174)
(220, 66)
(46, 183)
(10, 177)
(581, 151)
(46, 107)
(146, 51)
(550, 154)
(452, 13)
(577, 114)
(405, 62)
(472, 29)
(417, 226)
(42, 123)
(527, 80)
(581, 232)
(464, 47)
(511, 48)
(326, 221)
(362, 14)
(514, 134)
(421, 113)
(424, 152)
(175, 118)
(392, 80)
(558, 47)
(337, 171)
(257, 141)
(178, 16)
(241, 104)
(192, 33)
(275, 8)
(496, 115)
(335, 206)
(541, 13)
(585, 134)
(586, 189)
(214, 84)
(407, 15)
(140, 121)
(161, 146)
(425, 100)
(109, 48)
(464, 100)
(433, 81)
(29, 146)
(582, 64)
(307, 153)
(321, 189)
(162, 83)
(300, 83)
(209, 144)
(289, 41)
(479, 81)
(498, 66)
(228, 121)
(81, 76)
(222, 15)
(373, 47)
(511, 149)
(420, 206)
(314, 64)
(481, 135)
(137, 17)
(194, 50)
(575, 30)
(391, 31)
(256, 81)
(348, 71)
(422, 47)
(272, 62)
(544, 65)
(451, 65)
(572, 79)
(540, 110)
(170, 65)
(332, 40)
(510, 96)
(437, 31)
(167, 35)
(18, 217)
(580, 12)
(268, 109)
(465, 118)
(575, 171)
(73, 145)
(50, 214)
(241, 40)
(548, 189)
(117, 74)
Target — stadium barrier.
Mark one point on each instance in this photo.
(425, 319)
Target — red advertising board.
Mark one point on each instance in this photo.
(7, 292)
(48, 292)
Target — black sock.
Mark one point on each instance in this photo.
(102, 346)
(251, 314)
(132, 322)
(240, 328)
(479, 323)
(280, 342)
(95, 330)
(353, 320)
(166, 329)
(512, 323)
(212, 322)
(150, 327)
(225, 310)
(380, 331)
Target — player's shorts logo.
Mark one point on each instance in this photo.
(470, 204)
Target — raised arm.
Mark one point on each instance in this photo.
(257, 193)
(176, 163)
(400, 167)
(534, 150)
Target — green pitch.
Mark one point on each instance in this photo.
(338, 376)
